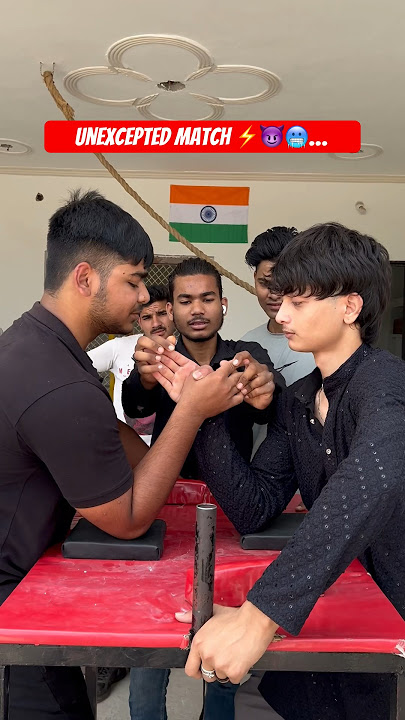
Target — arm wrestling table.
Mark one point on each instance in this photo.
(121, 613)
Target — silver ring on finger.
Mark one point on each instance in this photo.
(210, 674)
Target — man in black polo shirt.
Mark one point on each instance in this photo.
(60, 445)
(198, 307)
(339, 436)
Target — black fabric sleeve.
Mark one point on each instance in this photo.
(250, 495)
(74, 431)
(136, 400)
(354, 507)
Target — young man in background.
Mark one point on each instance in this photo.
(116, 355)
(262, 256)
(197, 308)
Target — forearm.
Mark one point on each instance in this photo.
(348, 517)
(250, 495)
(157, 472)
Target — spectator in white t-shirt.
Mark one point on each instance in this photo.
(117, 355)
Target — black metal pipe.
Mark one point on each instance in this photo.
(204, 565)
(4, 691)
(90, 675)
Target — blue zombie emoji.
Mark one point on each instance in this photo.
(272, 136)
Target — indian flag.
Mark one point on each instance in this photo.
(209, 214)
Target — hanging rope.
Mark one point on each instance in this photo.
(69, 114)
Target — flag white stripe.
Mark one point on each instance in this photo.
(226, 214)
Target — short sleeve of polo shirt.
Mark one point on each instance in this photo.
(73, 430)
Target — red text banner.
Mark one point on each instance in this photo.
(281, 136)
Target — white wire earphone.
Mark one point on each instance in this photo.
(223, 310)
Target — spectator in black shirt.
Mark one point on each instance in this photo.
(338, 435)
(61, 446)
(198, 307)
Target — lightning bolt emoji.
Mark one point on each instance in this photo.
(246, 137)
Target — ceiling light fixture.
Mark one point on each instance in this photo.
(13, 147)
(205, 67)
(366, 151)
(171, 85)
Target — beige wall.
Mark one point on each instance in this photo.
(23, 224)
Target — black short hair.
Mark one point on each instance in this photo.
(194, 266)
(269, 244)
(331, 260)
(157, 293)
(90, 228)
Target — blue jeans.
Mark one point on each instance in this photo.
(147, 696)
(220, 701)
(147, 693)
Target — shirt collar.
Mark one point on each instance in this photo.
(58, 328)
(306, 389)
(222, 352)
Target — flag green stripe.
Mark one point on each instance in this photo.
(206, 233)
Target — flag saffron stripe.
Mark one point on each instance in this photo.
(209, 195)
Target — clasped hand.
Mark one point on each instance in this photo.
(253, 380)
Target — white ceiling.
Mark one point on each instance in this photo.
(336, 61)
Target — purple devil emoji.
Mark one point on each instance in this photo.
(272, 136)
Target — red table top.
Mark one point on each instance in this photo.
(132, 604)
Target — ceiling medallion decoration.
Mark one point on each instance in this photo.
(14, 147)
(366, 151)
(205, 65)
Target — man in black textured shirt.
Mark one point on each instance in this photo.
(339, 436)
